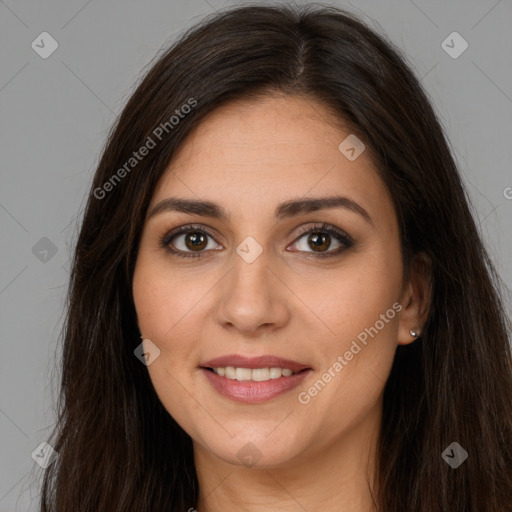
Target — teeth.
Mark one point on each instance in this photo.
(243, 373)
(260, 374)
(275, 373)
(256, 374)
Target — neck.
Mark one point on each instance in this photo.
(331, 476)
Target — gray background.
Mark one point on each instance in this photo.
(55, 114)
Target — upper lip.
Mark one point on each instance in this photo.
(265, 361)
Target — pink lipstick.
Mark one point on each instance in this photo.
(254, 379)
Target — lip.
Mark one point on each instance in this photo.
(264, 361)
(252, 392)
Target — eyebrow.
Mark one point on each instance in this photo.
(284, 210)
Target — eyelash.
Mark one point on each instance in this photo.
(342, 237)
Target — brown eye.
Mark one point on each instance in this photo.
(195, 240)
(187, 241)
(321, 239)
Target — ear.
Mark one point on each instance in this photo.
(415, 299)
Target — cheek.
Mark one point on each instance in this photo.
(170, 312)
(365, 308)
(356, 360)
(164, 297)
(359, 305)
(349, 300)
(163, 306)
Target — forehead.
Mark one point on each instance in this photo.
(250, 155)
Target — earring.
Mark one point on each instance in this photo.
(414, 333)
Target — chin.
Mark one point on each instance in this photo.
(256, 450)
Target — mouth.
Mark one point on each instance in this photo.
(253, 374)
(254, 380)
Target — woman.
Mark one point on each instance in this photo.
(279, 297)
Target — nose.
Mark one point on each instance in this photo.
(253, 299)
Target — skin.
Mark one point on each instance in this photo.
(248, 157)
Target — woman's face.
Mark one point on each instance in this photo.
(257, 276)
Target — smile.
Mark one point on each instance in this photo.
(253, 379)
(254, 374)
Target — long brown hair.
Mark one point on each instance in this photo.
(119, 449)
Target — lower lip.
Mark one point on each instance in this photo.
(253, 392)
